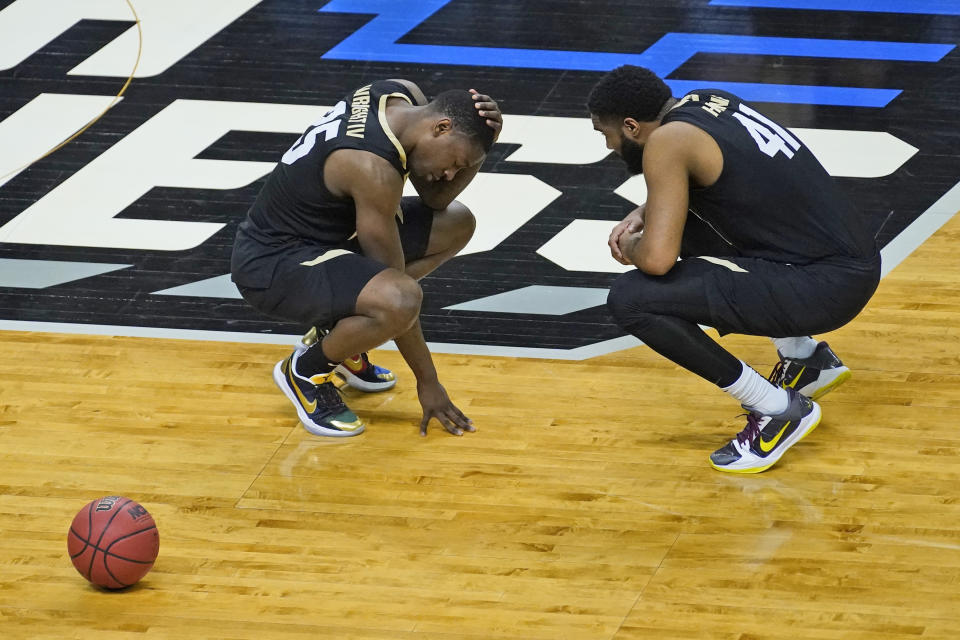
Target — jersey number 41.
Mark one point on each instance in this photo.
(769, 136)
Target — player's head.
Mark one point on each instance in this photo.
(626, 106)
(458, 137)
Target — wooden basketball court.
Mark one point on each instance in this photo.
(583, 508)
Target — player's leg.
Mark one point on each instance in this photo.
(386, 307)
(357, 370)
(743, 296)
(365, 303)
(810, 367)
(429, 239)
(665, 311)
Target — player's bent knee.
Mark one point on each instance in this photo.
(464, 223)
(632, 299)
(411, 297)
(393, 299)
(462, 215)
(622, 299)
(401, 302)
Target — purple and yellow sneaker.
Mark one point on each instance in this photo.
(813, 377)
(765, 438)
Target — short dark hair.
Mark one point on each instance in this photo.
(629, 92)
(458, 105)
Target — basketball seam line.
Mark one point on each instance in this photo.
(103, 532)
(86, 543)
(106, 554)
(120, 557)
(107, 551)
(107, 568)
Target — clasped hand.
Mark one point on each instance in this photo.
(624, 233)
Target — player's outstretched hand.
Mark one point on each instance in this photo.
(488, 108)
(436, 404)
(631, 224)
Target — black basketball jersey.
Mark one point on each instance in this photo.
(773, 199)
(294, 205)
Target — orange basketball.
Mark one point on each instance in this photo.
(113, 542)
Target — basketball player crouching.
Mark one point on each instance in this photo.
(769, 246)
(330, 242)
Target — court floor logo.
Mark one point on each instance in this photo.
(547, 299)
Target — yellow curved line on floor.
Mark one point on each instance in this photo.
(102, 113)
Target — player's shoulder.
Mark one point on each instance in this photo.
(676, 135)
(681, 144)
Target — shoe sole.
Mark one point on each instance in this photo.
(280, 380)
(359, 383)
(842, 376)
(794, 438)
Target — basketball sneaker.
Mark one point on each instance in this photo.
(318, 403)
(766, 438)
(357, 371)
(813, 377)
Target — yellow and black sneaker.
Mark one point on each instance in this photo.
(360, 373)
(813, 377)
(318, 403)
(765, 438)
(356, 371)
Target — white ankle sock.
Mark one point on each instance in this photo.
(800, 347)
(757, 393)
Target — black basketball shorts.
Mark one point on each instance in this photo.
(751, 296)
(315, 285)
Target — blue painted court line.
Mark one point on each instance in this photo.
(938, 7)
(792, 93)
(377, 41)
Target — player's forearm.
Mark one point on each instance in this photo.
(439, 195)
(414, 350)
(382, 249)
(645, 255)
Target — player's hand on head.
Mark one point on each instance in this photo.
(436, 404)
(488, 108)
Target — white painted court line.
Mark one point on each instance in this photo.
(922, 228)
(893, 254)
